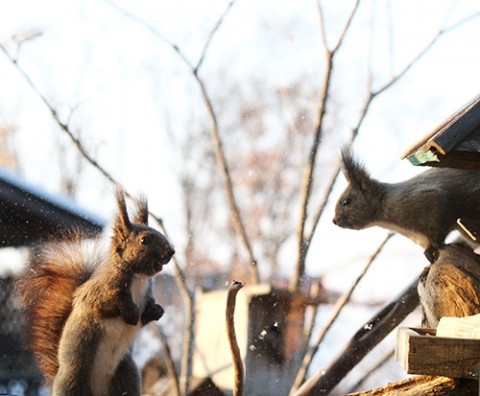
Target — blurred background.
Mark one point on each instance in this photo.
(230, 116)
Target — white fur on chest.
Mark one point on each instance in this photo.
(416, 237)
(117, 337)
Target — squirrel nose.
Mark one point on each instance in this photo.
(334, 220)
(171, 252)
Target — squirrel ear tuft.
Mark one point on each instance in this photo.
(355, 172)
(122, 222)
(141, 215)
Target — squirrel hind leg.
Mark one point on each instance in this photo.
(127, 379)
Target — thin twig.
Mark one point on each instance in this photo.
(188, 298)
(377, 366)
(238, 225)
(363, 341)
(187, 295)
(212, 34)
(306, 238)
(152, 30)
(346, 27)
(424, 51)
(341, 302)
(188, 345)
(235, 215)
(64, 127)
(172, 372)
(314, 294)
(310, 165)
(239, 370)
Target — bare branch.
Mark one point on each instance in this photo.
(368, 336)
(310, 166)
(188, 344)
(234, 210)
(424, 51)
(153, 31)
(342, 301)
(235, 215)
(323, 204)
(64, 127)
(323, 33)
(212, 34)
(187, 295)
(188, 298)
(304, 238)
(346, 27)
(239, 370)
(389, 355)
(172, 372)
(78, 144)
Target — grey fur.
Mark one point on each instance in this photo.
(424, 208)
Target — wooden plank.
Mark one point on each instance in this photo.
(467, 327)
(418, 145)
(471, 227)
(420, 352)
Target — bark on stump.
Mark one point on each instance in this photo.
(449, 287)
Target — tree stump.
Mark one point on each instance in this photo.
(449, 287)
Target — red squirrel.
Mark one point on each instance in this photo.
(85, 306)
(424, 208)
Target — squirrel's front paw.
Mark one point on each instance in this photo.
(431, 253)
(130, 314)
(151, 313)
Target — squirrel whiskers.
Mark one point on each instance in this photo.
(85, 305)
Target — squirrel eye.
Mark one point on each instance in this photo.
(146, 240)
(346, 201)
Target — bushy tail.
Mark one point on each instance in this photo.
(46, 288)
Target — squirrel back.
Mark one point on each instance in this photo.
(46, 288)
(425, 208)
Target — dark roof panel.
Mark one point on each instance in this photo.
(28, 214)
(455, 143)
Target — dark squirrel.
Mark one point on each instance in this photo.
(85, 306)
(424, 208)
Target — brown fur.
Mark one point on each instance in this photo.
(55, 272)
(96, 285)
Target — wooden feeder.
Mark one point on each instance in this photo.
(270, 332)
(420, 351)
(449, 290)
